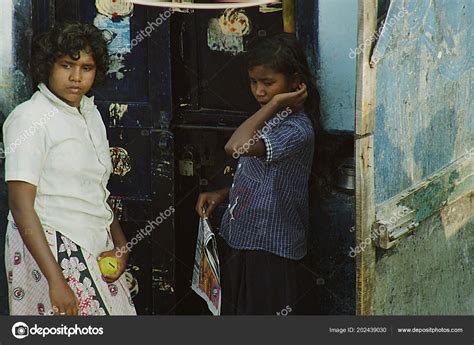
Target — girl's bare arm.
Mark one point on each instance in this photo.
(244, 141)
(21, 199)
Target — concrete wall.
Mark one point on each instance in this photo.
(431, 272)
(424, 123)
(329, 27)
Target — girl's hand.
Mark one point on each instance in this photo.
(207, 202)
(122, 264)
(294, 99)
(63, 299)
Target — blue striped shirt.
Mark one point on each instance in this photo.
(268, 201)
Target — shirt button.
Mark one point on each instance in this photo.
(240, 164)
(233, 184)
(228, 206)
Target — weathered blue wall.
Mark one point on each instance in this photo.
(329, 29)
(424, 123)
(15, 87)
(431, 273)
(425, 112)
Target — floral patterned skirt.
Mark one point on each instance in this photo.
(28, 289)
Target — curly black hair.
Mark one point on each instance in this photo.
(68, 38)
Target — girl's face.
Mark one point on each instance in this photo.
(71, 79)
(266, 83)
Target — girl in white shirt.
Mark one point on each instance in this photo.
(57, 167)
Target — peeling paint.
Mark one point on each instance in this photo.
(428, 274)
(115, 8)
(163, 170)
(113, 18)
(234, 22)
(226, 33)
(423, 127)
(120, 161)
(117, 66)
(456, 216)
(132, 282)
(116, 112)
(160, 281)
(117, 206)
(116, 33)
(424, 104)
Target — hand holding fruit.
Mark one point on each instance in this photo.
(112, 265)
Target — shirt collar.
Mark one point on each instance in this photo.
(86, 105)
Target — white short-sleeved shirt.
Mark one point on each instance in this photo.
(65, 154)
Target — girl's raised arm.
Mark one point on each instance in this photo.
(244, 141)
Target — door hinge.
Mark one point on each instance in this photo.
(388, 231)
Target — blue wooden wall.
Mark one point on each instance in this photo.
(424, 126)
(424, 114)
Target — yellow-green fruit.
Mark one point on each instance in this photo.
(108, 266)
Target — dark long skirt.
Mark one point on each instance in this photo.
(256, 282)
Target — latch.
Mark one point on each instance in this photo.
(186, 163)
(389, 230)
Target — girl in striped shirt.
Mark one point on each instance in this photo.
(267, 219)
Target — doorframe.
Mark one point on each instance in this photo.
(364, 158)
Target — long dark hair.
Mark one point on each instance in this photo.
(68, 38)
(284, 54)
